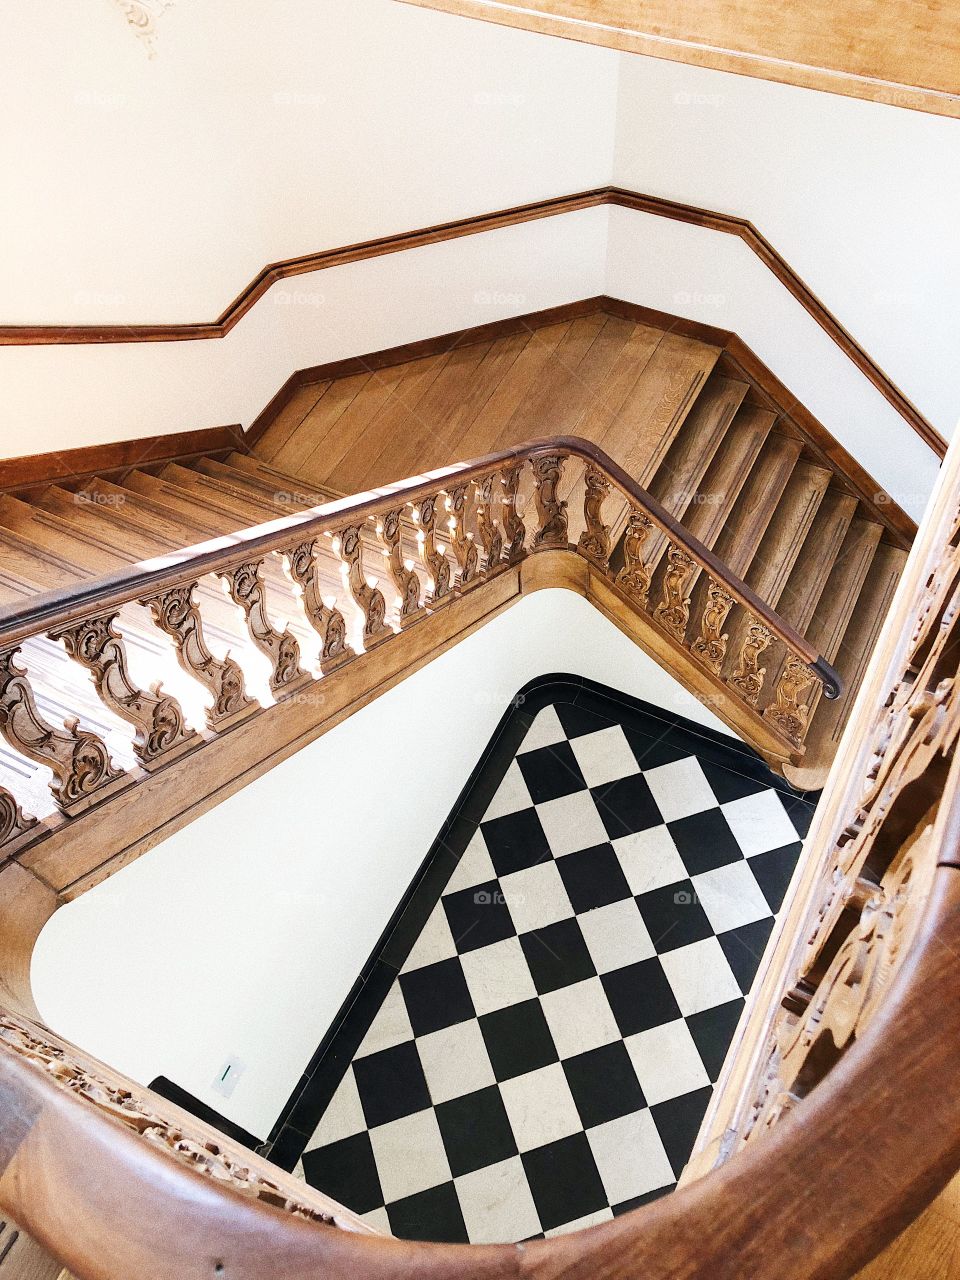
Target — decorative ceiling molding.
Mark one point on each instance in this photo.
(897, 52)
(141, 16)
(728, 224)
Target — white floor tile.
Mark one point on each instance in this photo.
(572, 823)
(545, 731)
(455, 1061)
(616, 935)
(730, 896)
(497, 1205)
(343, 1117)
(591, 1220)
(536, 897)
(700, 976)
(579, 1017)
(474, 866)
(604, 756)
(759, 823)
(410, 1155)
(434, 943)
(650, 859)
(512, 795)
(377, 1218)
(540, 1107)
(680, 789)
(497, 975)
(630, 1157)
(390, 1027)
(667, 1062)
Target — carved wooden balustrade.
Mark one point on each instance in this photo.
(358, 573)
(836, 1120)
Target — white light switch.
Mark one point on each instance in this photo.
(226, 1079)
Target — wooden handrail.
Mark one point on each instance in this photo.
(59, 608)
(848, 1126)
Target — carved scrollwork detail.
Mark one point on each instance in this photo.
(405, 577)
(634, 578)
(490, 536)
(711, 646)
(434, 561)
(595, 540)
(514, 529)
(369, 599)
(245, 586)
(157, 718)
(141, 1112)
(14, 823)
(176, 614)
(787, 712)
(748, 677)
(82, 769)
(673, 611)
(551, 510)
(327, 620)
(464, 547)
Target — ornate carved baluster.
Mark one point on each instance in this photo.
(404, 576)
(595, 539)
(245, 586)
(328, 622)
(14, 823)
(82, 769)
(674, 609)
(161, 732)
(490, 535)
(748, 677)
(513, 527)
(710, 646)
(786, 711)
(634, 577)
(464, 548)
(370, 599)
(175, 613)
(551, 510)
(434, 561)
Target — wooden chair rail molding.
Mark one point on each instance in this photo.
(28, 335)
(837, 1139)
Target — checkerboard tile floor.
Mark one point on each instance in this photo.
(546, 1055)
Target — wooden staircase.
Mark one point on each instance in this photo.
(726, 454)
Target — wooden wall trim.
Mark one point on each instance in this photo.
(29, 335)
(38, 469)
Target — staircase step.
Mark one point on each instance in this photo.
(254, 507)
(132, 510)
(51, 533)
(753, 509)
(814, 564)
(728, 471)
(217, 518)
(858, 641)
(284, 491)
(88, 516)
(786, 532)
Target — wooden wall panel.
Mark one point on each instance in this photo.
(905, 53)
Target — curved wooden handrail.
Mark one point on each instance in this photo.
(110, 1205)
(55, 609)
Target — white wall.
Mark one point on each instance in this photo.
(243, 933)
(152, 190)
(716, 278)
(860, 198)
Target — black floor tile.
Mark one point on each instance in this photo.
(712, 1033)
(346, 1171)
(744, 949)
(604, 1084)
(430, 1215)
(557, 956)
(515, 841)
(564, 1181)
(705, 841)
(678, 1123)
(673, 916)
(436, 996)
(518, 1039)
(550, 772)
(476, 1131)
(593, 878)
(640, 996)
(773, 872)
(391, 1084)
(478, 916)
(626, 806)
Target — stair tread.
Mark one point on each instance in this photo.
(740, 537)
(816, 558)
(838, 599)
(728, 471)
(786, 531)
(685, 463)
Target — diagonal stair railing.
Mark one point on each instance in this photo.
(429, 540)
